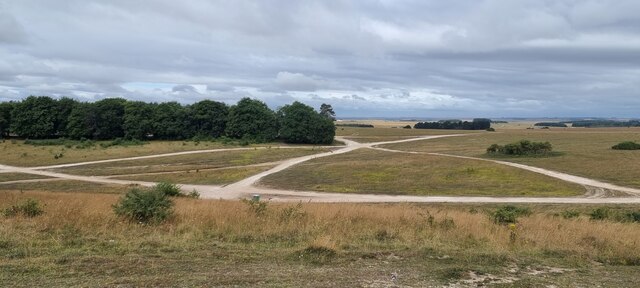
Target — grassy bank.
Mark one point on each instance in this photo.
(78, 241)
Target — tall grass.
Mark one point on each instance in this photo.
(337, 227)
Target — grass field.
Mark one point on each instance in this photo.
(379, 172)
(191, 161)
(584, 152)
(367, 135)
(15, 152)
(205, 177)
(4, 177)
(79, 242)
(64, 186)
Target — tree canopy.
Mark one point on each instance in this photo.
(112, 118)
(299, 123)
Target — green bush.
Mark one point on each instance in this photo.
(628, 145)
(144, 206)
(600, 214)
(568, 214)
(509, 214)
(521, 148)
(168, 189)
(28, 208)
(259, 208)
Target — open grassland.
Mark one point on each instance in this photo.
(16, 153)
(583, 152)
(190, 162)
(379, 172)
(204, 177)
(79, 242)
(58, 185)
(367, 135)
(4, 177)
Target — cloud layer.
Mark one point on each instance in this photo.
(367, 58)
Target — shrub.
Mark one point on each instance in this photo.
(28, 208)
(144, 206)
(259, 208)
(628, 145)
(568, 214)
(599, 214)
(521, 148)
(491, 129)
(406, 127)
(509, 214)
(168, 189)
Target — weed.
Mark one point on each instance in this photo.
(569, 214)
(28, 208)
(509, 214)
(292, 213)
(257, 207)
(601, 213)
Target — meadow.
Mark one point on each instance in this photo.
(78, 241)
(580, 151)
(381, 172)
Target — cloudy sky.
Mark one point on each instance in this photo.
(386, 58)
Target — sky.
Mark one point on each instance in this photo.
(385, 58)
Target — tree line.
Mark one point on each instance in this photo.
(41, 117)
(476, 124)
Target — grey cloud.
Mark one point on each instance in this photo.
(381, 58)
(184, 88)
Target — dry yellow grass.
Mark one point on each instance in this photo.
(79, 241)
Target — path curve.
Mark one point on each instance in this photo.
(247, 186)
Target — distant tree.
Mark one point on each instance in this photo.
(208, 118)
(81, 122)
(34, 117)
(5, 118)
(480, 124)
(64, 106)
(170, 121)
(109, 118)
(327, 111)
(252, 119)
(138, 119)
(299, 123)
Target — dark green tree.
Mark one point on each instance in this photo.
(327, 111)
(109, 118)
(299, 123)
(208, 118)
(82, 121)
(170, 121)
(138, 119)
(252, 119)
(64, 106)
(34, 117)
(5, 118)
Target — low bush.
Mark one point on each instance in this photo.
(144, 206)
(628, 145)
(168, 189)
(569, 214)
(28, 208)
(521, 148)
(600, 214)
(259, 208)
(509, 214)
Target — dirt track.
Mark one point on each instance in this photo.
(247, 187)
